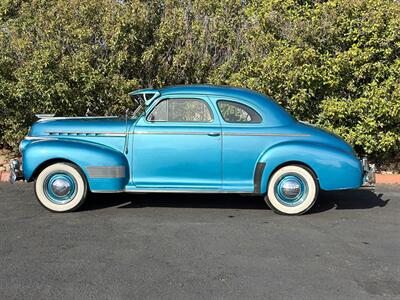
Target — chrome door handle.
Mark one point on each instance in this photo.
(214, 134)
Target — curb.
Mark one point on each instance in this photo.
(387, 178)
(4, 176)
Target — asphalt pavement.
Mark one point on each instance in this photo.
(184, 246)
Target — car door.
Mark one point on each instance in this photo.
(243, 141)
(177, 145)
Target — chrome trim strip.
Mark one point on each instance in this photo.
(87, 134)
(122, 134)
(107, 191)
(74, 118)
(225, 134)
(44, 116)
(35, 138)
(172, 132)
(258, 176)
(264, 134)
(106, 172)
(189, 191)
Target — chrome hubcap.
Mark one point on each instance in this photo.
(291, 189)
(61, 187)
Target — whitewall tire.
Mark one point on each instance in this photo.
(61, 187)
(292, 190)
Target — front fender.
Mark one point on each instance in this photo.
(335, 168)
(105, 168)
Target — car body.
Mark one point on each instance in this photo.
(197, 139)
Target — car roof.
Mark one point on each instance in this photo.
(219, 90)
(205, 89)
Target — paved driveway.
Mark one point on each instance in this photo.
(200, 246)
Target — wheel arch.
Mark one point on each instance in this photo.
(294, 162)
(104, 168)
(264, 176)
(334, 169)
(49, 162)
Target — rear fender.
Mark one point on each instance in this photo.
(334, 168)
(105, 168)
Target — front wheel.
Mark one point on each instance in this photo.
(292, 190)
(61, 187)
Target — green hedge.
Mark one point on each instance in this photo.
(332, 63)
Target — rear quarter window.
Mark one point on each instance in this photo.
(235, 112)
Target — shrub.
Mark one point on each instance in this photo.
(333, 63)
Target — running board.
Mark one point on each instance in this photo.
(176, 191)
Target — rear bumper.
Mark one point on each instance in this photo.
(369, 174)
(15, 170)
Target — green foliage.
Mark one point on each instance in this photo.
(67, 57)
(333, 63)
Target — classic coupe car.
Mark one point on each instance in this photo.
(189, 139)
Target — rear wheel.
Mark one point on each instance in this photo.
(61, 187)
(292, 190)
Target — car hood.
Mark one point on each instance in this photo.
(84, 125)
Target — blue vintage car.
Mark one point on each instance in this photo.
(189, 139)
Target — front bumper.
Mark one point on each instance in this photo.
(15, 170)
(369, 174)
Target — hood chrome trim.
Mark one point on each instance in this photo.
(74, 118)
(86, 134)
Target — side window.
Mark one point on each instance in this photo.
(234, 112)
(181, 110)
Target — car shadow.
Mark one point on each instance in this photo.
(350, 199)
(186, 200)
